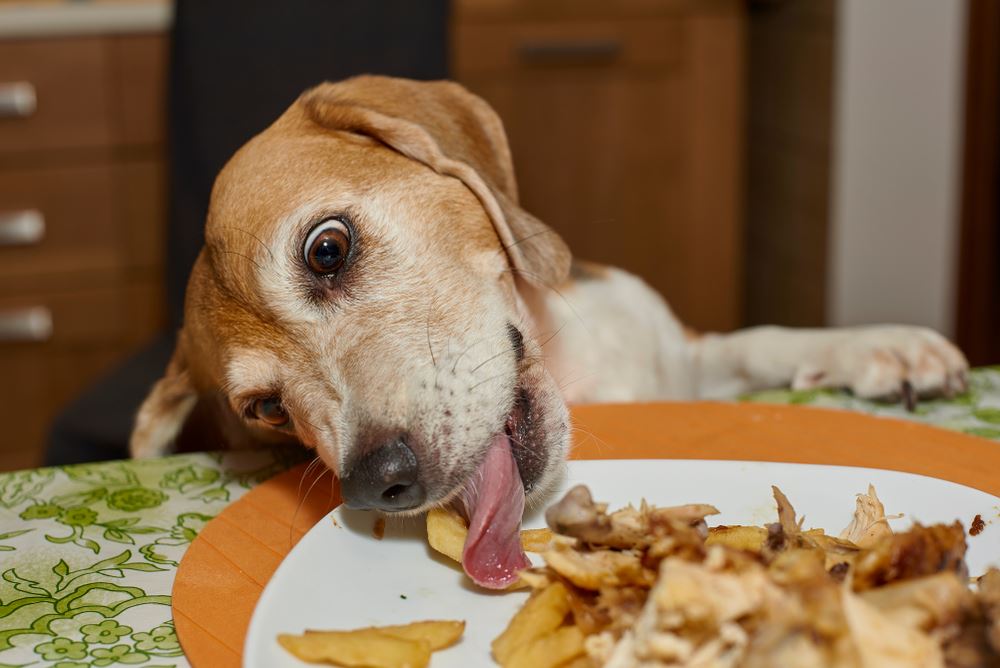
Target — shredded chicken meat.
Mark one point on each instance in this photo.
(655, 587)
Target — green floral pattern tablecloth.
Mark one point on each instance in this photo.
(88, 553)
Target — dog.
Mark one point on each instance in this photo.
(370, 288)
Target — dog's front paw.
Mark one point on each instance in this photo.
(886, 362)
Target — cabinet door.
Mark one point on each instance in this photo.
(626, 137)
(52, 343)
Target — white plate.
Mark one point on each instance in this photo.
(340, 577)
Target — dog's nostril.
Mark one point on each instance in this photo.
(386, 478)
(516, 340)
(394, 491)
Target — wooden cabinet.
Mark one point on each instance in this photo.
(82, 215)
(625, 122)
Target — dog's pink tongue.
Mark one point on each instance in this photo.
(493, 556)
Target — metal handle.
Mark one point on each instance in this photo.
(26, 325)
(20, 228)
(578, 51)
(17, 99)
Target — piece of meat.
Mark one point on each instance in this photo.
(577, 515)
(869, 524)
(988, 597)
(593, 570)
(650, 590)
(925, 603)
(882, 642)
(915, 553)
(691, 615)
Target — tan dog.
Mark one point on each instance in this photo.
(370, 288)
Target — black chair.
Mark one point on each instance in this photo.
(235, 66)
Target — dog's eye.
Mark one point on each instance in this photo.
(326, 246)
(270, 410)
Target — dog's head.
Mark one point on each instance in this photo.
(364, 290)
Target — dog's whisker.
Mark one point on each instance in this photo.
(245, 257)
(575, 428)
(298, 494)
(564, 382)
(430, 305)
(298, 507)
(487, 361)
(552, 335)
(602, 445)
(500, 375)
(545, 284)
(314, 426)
(504, 249)
(481, 341)
(305, 472)
(252, 236)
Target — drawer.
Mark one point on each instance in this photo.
(82, 316)
(561, 10)
(512, 47)
(69, 81)
(75, 220)
(67, 340)
(39, 382)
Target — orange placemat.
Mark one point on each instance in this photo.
(224, 571)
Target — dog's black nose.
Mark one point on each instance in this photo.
(384, 479)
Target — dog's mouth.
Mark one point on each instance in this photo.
(493, 500)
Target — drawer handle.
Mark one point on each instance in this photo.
(568, 52)
(17, 99)
(26, 325)
(21, 228)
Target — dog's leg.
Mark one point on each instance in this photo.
(884, 361)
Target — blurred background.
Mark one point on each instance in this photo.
(799, 162)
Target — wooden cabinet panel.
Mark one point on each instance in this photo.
(492, 48)
(72, 89)
(636, 161)
(563, 10)
(81, 281)
(99, 217)
(139, 68)
(141, 209)
(75, 205)
(91, 328)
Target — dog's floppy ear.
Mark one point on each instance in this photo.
(164, 410)
(456, 133)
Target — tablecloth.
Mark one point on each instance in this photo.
(88, 552)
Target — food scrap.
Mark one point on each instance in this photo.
(401, 646)
(652, 587)
(977, 525)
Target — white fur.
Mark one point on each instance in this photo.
(618, 341)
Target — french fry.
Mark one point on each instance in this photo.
(437, 634)
(593, 570)
(536, 540)
(543, 613)
(548, 651)
(748, 538)
(446, 532)
(364, 647)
